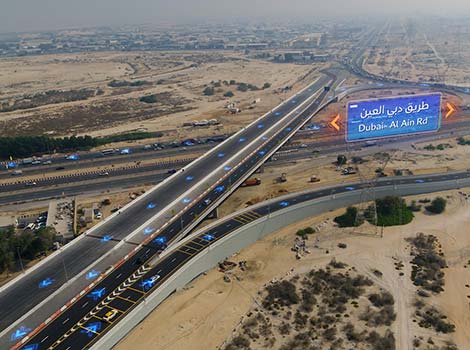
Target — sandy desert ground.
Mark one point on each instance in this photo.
(177, 78)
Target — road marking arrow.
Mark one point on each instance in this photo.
(334, 124)
(451, 109)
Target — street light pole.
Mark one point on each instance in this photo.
(65, 271)
(19, 256)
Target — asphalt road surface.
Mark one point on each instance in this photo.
(85, 321)
(29, 291)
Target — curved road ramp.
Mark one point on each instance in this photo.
(124, 305)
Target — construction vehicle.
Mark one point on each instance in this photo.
(251, 182)
(349, 171)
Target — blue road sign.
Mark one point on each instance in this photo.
(31, 347)
(284, 204)
(372, 119)
(20, 333)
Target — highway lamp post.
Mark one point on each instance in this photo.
(19, 257)
(65, 271)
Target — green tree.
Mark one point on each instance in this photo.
(229, 94)
(266, 85)
(208, 91)
(149, 99)
(242, 87)
(350, 218)
(341, 159)
(437, 206)
(391, 211)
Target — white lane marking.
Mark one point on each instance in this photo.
(42, 341)
(85, 304)
(118, 275)
(174, 259)
(66, 320)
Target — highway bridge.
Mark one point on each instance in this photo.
(88, 318)
(144, 228)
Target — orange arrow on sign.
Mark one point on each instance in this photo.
(334, 121)
(451, 109)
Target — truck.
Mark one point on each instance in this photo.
(27, 160)
(17, 172)
(251, 182)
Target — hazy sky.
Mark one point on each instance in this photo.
(27, 15)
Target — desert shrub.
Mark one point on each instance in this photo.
(432, 318)
(387, 342)
(382, 299)
(384, 316)
(330, 333)
(239, 342)
(281, 293)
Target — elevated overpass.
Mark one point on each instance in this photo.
(134, 298)
(158, 218)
